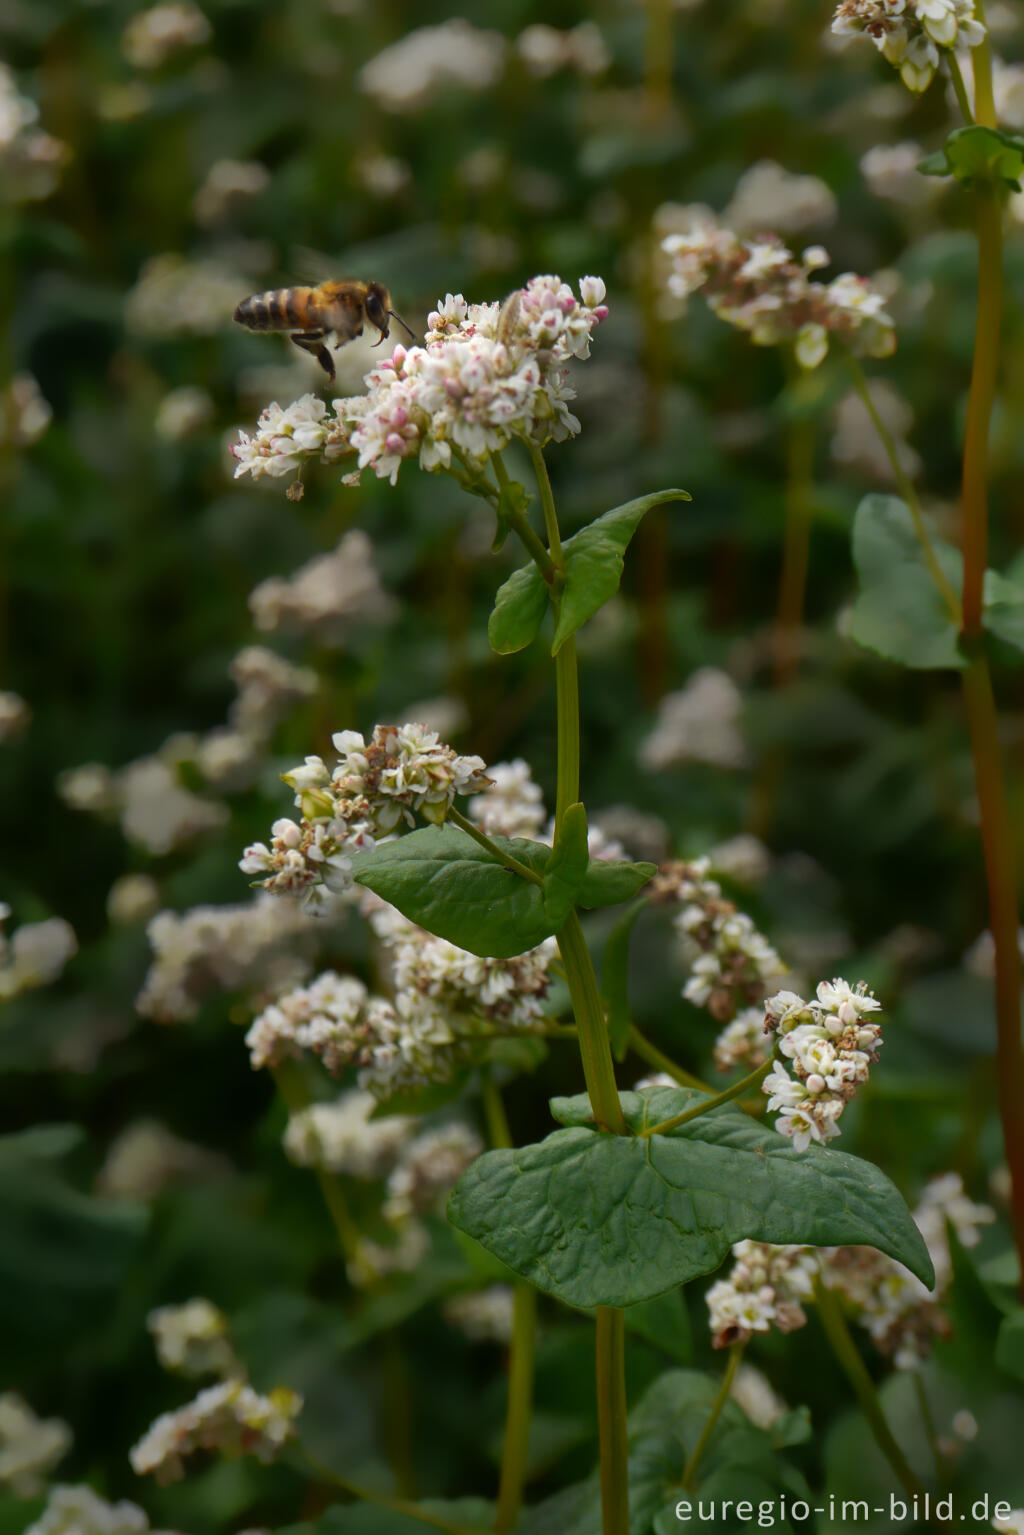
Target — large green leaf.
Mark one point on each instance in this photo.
(900, 612)
(593, 570)
(739, 1461)
(567, 866)
(1004, 608)
(442, 879)
(978, 155)
(604, 1220)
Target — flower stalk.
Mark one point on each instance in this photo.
(697, 1454)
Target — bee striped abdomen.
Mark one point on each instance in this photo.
(282, 309)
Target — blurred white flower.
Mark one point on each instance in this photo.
(856, 443)
(227, 185)
(231, 1418)
(24, 414)
(15, 715)
(700, 723)
(35, 955)
(192, 1339)
(545, 50)
(342, 1137)
(891, 172)
(182, 412)
(173, 296)
(419, 66)
(769, 197)
(30, 1447)
(132, 898)
(485, 1316)
(78, 1511)
(154, 36)
(330, 597)
(146, 1158)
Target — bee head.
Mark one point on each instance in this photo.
(378, 308)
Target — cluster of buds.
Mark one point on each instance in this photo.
(230, 1418)
(759, 286)
(765, 1288)
(403, 770)
(732, 962)
(487, 373)
(910, 33)
(831, 1044)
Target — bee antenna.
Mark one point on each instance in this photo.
(402, 323)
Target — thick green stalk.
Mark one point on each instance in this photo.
(520, 524)
(855, 1370)
(596, 1054)
(515, 1444)
(981, 62)
(612, 1435)
(693, 1460)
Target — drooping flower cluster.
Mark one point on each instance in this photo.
(35, 955)
(403, 770)
(902, 1316)
(758, 285)
(765, 1288)
(30, 158)
(487, 373)
(261, 945)
(910, 33)
(192, 1339)
(230, 1418)
(731, 962)
(831, 1043)
(30, 1447)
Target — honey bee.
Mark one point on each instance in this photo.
(312, 314)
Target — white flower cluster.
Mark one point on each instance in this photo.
(1013, 1524)
(334, 1018)
(731, 962)
(831, 1044)
(30, 1447)
(133, 898)
(901, 1315)
(487, 373)
(30, 158)
(78, 1511)
(329, 597)
(230, 1418)
(767, 196)
(910, 33)
(765, 1288)
(890, 171)
(407, 75)
(181, 412)
(512, 805)
(154, 36)
(758, 285)
(24, 413)
(173, 296)
(545, 50)
(35, 955)
(342, 1137)
(259, 945)
(485, 1316)
(699, 723)
(192, 1339)
(429, 1169)
(154, 807)
(15, 716)
(375, 786)
(743, 1042)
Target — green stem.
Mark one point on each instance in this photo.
(905, 487)
(924, 1407)
(515, 1444)
(956, 75)
(485, 842)
(726, 1096)
(855, 1370)
(661, 1062)
(567, 788)
(595, 1050)
(519, 523)
(693, 1461)
(612, 1431)
(980, 401)
(291, 1086)
(999, 843)
(981, 60)
(547, 501)
(380, 1499)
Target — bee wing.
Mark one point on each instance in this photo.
(312, 266)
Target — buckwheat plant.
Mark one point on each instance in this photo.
(476, 903)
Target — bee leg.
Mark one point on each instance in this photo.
(312, 341)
